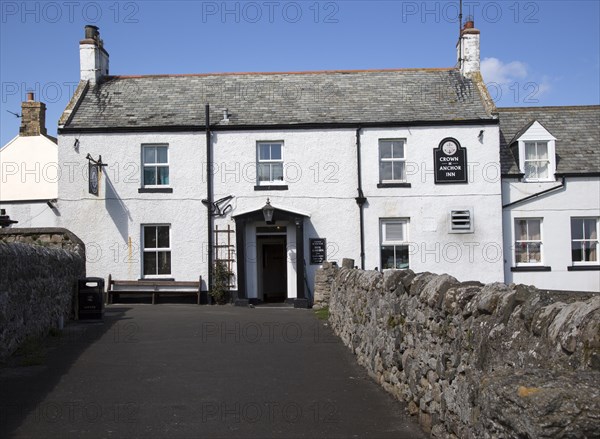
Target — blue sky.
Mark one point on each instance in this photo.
(540, 52)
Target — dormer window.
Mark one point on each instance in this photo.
(537, 158)
(536, 161)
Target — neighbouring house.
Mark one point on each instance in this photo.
(272, 173)
(551, 196)
(29, 171)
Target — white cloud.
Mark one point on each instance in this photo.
(512, 83)
(494, 70)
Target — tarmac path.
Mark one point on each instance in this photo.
(188, 371)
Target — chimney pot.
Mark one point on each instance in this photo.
(91, 32)
(30, 96)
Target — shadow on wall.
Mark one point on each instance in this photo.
(116, 209)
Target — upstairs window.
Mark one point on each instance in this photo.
(392, 161)
(528, 241)
(270, 162)
(155, 165)
(394, 244)
(537, 162)
(156, 241)
(584, 240)
(537, 153)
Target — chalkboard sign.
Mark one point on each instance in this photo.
(318, 251)
(450, 162)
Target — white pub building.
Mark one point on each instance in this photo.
(273, 173)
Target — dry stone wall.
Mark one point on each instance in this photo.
(37, 288)
(474, 360)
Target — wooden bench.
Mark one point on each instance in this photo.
(155, 287)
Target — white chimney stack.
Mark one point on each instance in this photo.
(467, 49)
(92, 56)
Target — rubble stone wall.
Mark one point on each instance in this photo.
(474, 360)
(37, 289)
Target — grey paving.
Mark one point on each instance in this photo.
(186, 371)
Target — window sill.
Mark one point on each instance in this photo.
(272, 187)
(161, 279)
(584, 268)
(386, 185)
(155, 190)
(532, 268)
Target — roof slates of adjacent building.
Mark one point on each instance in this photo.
(263, 99)
(576, 129)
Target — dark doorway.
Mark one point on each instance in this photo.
(272, 268)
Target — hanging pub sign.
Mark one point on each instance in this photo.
(318, 251)
(450, 162)
(93, 178)
(94, 169)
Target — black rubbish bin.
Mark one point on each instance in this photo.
(90, 291)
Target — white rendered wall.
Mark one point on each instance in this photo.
(580, 198)
(471, 256)
(110, 224)
(321, 174)
(321, 177)
(29, 169)
(328, 196)
(34, 214)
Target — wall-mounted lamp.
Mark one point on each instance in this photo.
(268, 211)
(76, 145)
(480, 135)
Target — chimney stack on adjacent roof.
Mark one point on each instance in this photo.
(92, 56)
(33, 117)
(467, 49)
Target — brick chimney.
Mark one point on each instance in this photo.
(33, 117)
(93, 58)
(467, 49)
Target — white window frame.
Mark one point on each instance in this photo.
(155, 165)
(538, 134)
(392, 160)
(536, 144)
(260, 161)
(384, 242)
(597, 261)
(156, 250)
(527, 241)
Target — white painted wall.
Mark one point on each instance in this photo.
(110, 224)
(321, 174)
(29, 169)
(29, 176)
(477, 255)
(328, 196)
(580, 198)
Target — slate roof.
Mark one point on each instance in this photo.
(577, 132)
(264, 99)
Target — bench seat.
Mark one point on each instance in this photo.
(154, 287)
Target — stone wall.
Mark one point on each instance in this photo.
(37, 288)
(474, 360)
(52, 237)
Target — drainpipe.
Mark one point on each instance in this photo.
(360, 200)
(209, 196)
(522, 200)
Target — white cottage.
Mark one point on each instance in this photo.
(29, 171)
(551, 196)
(275, 172)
